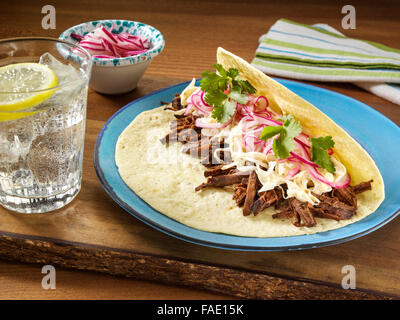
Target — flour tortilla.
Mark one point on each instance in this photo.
(166, 178)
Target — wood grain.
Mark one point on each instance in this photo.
(94, 227)
(239, 283)
(23, 281)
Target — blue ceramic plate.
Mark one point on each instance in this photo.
(377, 134)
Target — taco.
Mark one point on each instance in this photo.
(241, 154)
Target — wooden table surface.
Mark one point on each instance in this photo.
(193, 30)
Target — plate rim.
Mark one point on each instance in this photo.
(114, 196)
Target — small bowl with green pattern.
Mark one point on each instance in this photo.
(119, 75)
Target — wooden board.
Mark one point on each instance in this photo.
(20, 281)
(93, 233)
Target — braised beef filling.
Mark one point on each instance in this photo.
(338, 204)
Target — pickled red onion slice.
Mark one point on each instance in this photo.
(103, 43)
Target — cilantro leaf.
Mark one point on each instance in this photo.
(284, 144)
(212, 81)
(224, 112)
(222, 72)
(237, 95)
(292, 126)
(269, 132)
(215, 98)
(244, 85)
(323, 142)
(319, 154)
(233, 73)
(215, 84)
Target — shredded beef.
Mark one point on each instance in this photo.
(363, 186)
(320, 213)
(267, 199)
(282, 205)
(285, 214)
(179, 116)
(218, 171)
(302, 209)
(175, 104)
(333, 206)
(346, 195)
(338, 204)
(222, 181)
(251, 192)
(183, 130)
(216, 157)
(197, 148)
(240, 192)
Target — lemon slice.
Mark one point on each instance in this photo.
(18, 83)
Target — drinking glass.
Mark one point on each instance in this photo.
(42, 135)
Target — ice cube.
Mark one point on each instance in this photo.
(65, 72)
(53, 157)
(66, 100)
(15, 139)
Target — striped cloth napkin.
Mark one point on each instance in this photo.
(321, 53)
